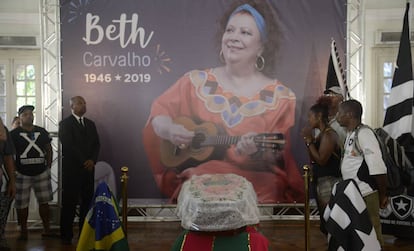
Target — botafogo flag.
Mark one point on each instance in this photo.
(398, 122)
(335, 79)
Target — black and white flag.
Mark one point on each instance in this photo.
(335, 77)
(347, 221)
(398, 122)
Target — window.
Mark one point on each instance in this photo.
(383, 72)
(25, 75)
(388, 71)
(19, 83)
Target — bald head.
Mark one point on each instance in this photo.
(78, 105)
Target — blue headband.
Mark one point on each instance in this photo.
(258, 18)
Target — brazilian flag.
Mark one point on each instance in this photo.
(102, 229)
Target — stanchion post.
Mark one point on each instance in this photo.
(307, 178)
(124, 182)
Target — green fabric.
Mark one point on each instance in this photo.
(238, 242)
(179, 241)
(372, 203)
(120, 245)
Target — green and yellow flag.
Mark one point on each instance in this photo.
(102, 229)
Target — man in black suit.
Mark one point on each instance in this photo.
(80, 148)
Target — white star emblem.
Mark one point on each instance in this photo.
(117, 77)
(401, 205)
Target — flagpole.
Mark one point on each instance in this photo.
(124, 182)
(307, 177)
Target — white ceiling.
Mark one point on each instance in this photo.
(24, 6)
(386, 4)
(19, 12)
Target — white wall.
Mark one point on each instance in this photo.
(19, 17)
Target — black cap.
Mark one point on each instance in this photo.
(24, 108)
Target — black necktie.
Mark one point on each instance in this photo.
(81, 122)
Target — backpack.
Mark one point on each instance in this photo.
(395, 184)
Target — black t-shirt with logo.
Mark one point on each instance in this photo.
(30, 150)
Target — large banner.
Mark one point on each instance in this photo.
(186, 87)
(398, 217)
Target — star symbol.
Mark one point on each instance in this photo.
(401, 205)
(118, 77)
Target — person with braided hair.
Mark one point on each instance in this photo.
(324, 152)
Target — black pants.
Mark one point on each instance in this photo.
(77, 189)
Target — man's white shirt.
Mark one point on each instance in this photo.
(352, 159)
